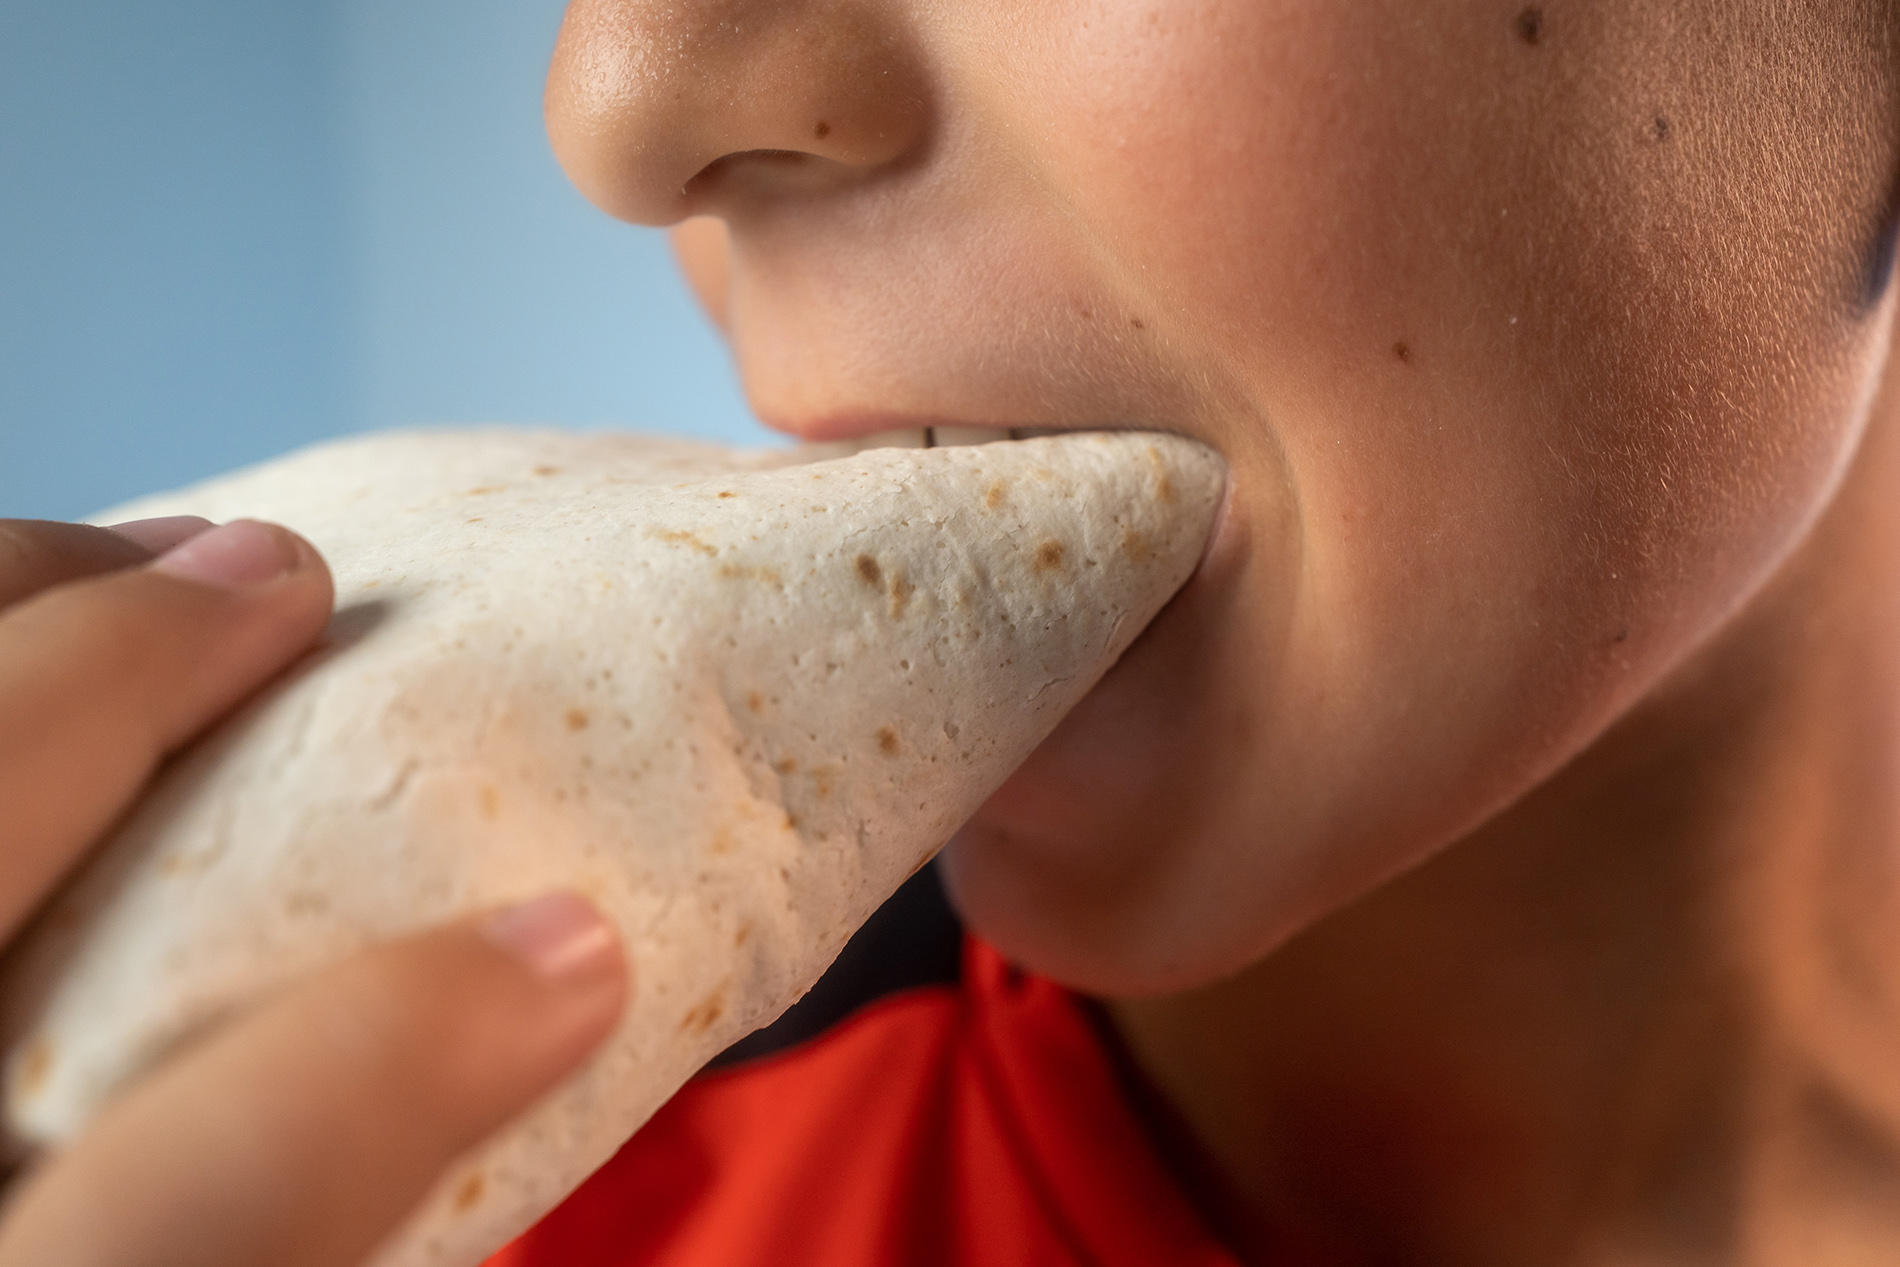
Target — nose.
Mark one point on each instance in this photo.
(661, 109)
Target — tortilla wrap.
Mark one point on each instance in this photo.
(735, 698)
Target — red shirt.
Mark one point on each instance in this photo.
(980, 1122)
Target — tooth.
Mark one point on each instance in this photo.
(1033, 433)
(912, 438)
(945, 437)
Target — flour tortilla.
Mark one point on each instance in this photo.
(736, 698)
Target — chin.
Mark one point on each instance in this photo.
(1088, 865)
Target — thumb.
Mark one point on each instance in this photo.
(301, 1133)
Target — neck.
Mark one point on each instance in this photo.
(1652, 1013)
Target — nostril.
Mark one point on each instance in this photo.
(661, 109)
(766, 172)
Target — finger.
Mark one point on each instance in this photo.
(36, 554)
(100, 678)
(164, 533)
(300, 1135)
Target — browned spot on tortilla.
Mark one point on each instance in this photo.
(765, 576)
(993, 495)
(490, 801)
(739, 938)
(1049, 556)
(820, 130)
(792, 821)
(701, 1018)
(484, 490)
(868, 570)
(722, 842)
(1135, 547)
(547, 470)
(469, 1194)
(683, 538)
(887, 741)
(824, 778)
(577, 719)
(728, 493)
(1164, 487)
(307, 902)
(786, 765)
(36, 1061)
(477, 519)
(755, 701)
(901, 590)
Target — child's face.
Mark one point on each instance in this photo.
(1533, 337)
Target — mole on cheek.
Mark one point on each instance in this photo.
(822, 130)
(1530, 25)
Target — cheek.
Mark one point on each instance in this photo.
(1546, 404)
(1491, 313)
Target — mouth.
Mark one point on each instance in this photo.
(843, 439)
(840, 438)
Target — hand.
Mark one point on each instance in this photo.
(301, 1132)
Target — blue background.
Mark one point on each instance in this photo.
(228, 228)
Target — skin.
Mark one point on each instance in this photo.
(400, 1059)
(1486, 857)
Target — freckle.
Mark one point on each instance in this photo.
(887, 741)
(1622, 635)
(1530, 25)
(1049, 556)
(868, 570)
(1661, 127)
(470, 1192)
(1137, 323)
(821, 131)
(577, 719)
(739, 938)
(490, 801)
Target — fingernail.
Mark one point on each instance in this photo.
(240, 554)
(559, 936)
(162, 534)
